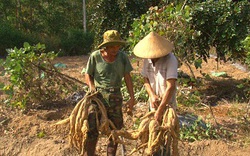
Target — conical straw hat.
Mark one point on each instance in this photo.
(153, 46)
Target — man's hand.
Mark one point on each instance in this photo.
(92, 89)
(155, 101)
(159, 114)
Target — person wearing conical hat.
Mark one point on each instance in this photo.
(104, 72)
(159, 72)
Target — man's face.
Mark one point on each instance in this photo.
(112, 50)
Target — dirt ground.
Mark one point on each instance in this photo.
(33, 134)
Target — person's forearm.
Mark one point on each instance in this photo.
(90, 82)
(167, 96)
(148, 87)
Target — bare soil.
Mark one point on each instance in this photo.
(33, 133)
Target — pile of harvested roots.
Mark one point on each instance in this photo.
(150, 133)
(78, 121)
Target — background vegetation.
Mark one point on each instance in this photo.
(193, 26)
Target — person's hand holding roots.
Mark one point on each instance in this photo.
(155, 101)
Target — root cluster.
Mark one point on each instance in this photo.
(150, 133)
(79, 125)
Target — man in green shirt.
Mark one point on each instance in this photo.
(105, 70)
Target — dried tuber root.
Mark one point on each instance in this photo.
(153, 135)
(78, 121)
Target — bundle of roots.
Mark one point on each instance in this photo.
(152, 135)
(79, 125)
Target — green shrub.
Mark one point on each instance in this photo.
(76, 42)
(33, 77)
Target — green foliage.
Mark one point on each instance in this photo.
(186, 95)
(223, 25)
(188, 98)
(11, 37)
(139, 90)
(46, 17)
(41, 134)
(246, 46)
(198, 132)
(50, 19)
(77, 42)
(245, 87)
(172, 23)
(115, 14)
(46, 20)
(33, 79)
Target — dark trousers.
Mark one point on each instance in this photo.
(114, 113)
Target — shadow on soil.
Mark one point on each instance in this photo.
(228, 90)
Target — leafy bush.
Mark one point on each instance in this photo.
(172, 22)
(223, 25)
(33, 78)
(220, 24)
(77, 42)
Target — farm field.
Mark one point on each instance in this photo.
(33, 133)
